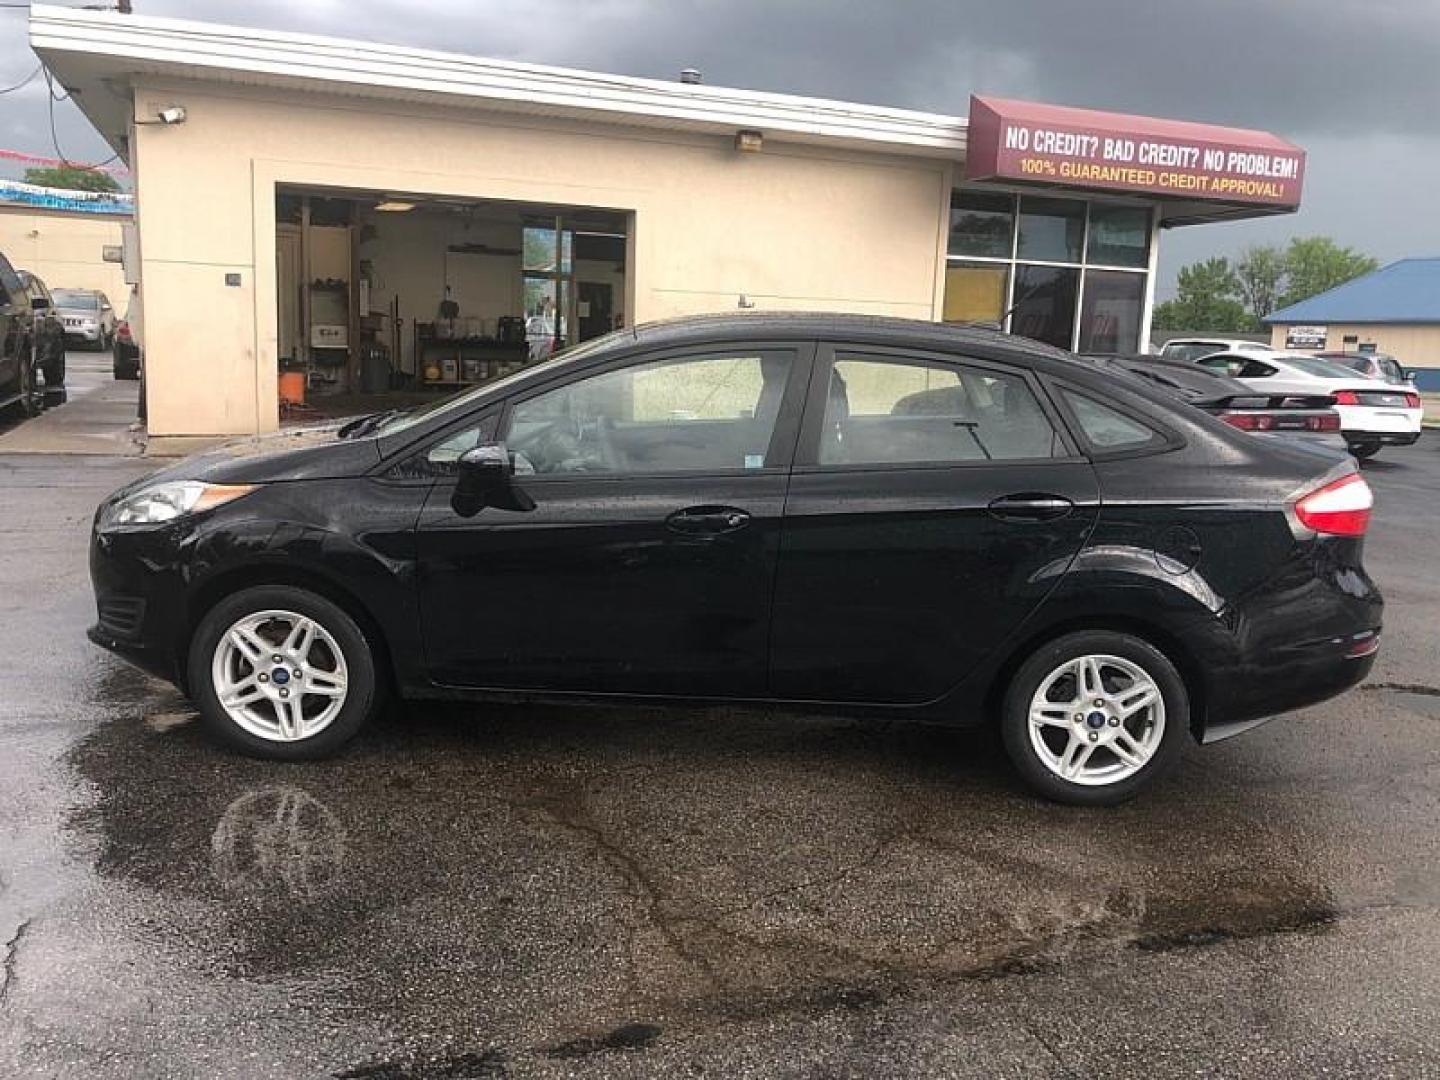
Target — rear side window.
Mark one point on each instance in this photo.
(884, 411)
(1107, 428)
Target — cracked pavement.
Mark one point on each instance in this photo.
(648, 892)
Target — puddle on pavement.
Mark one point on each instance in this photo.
(554, 872)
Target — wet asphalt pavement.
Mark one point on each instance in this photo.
(547, 892)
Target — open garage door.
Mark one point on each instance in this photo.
(387, 299)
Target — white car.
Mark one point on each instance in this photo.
(1190, 349)
(1372, 413)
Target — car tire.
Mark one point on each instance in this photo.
(1364, 451)
(54, 370)
(31, 403)
(219, 661)
(1072, 719)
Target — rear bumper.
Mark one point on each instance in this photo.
(1381, 438)
(1325, 673)
(1309, 634)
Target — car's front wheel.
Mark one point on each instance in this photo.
(1093, 717)
(283, 673)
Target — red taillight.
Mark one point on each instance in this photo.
(1340, 508)
(1248, 421)
(1412, 401)
(1346, 397)
(1325, 422)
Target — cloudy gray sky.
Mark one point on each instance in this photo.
(1356, 82)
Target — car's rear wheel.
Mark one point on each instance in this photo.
(282, 673)
(1362, 451)
(1093, 717)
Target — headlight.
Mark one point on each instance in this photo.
(160, 503)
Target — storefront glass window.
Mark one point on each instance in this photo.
(1051, 230)
(997, 272)
(975, 292)
(1044, 303)
(1119, 236)
(981, 224)
(1110, 312)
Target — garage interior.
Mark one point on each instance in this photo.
(388, 299)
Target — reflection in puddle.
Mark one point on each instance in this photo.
(278, 842)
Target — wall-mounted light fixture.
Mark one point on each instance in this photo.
(169, 116)
(749, 142)
(395, 206)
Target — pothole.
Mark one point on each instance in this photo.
(1412, 697)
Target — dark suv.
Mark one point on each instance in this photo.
(25, 341)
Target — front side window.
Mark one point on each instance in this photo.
(893, 411)
(709, 413)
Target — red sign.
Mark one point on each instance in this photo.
(1080, 148)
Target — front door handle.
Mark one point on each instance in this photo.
(1030, 506)
(707, 520)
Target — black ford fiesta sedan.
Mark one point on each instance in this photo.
(827, 512)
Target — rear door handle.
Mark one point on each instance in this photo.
(707, 520)
(1031, 507)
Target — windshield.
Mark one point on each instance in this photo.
(1325, 369)
(76, 298)
(458, 402)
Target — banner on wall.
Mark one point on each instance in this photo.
(1081, 148)
(48, 198)
(1305, 337)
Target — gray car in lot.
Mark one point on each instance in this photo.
(87, 316)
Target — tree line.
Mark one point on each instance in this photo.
(1218, 295)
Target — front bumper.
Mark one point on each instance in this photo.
(139, 597)
(90, 334)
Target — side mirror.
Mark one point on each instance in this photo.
(1409, 374)
(486, 477)
(39, 303)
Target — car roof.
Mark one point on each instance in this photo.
(861, 329)
(1228, 343)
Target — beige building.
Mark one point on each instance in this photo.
(65, 248)
(371, 220)
(1393, 311)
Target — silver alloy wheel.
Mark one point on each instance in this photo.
(1097, 720)
(279, 675)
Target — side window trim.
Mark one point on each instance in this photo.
(780, 453)
(807, 456)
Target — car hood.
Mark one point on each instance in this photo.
(78, 313)
(313, 452)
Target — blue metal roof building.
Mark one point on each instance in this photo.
(1407, 291)
(1394, 310)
